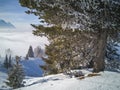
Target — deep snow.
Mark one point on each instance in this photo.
(32, 67)
(106, 81)
(3, 76)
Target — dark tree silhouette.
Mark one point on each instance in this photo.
(30, 52)
(15, 75)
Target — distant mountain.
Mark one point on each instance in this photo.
(4, 24)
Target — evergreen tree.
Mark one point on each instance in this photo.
(30, 52)
(10, 61)
(26, 57)
(16, 75)
(64, 54)
(99, 16)
(112, 56)
(6, 62)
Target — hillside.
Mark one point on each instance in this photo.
(4, 24)
(107, 81)
(31, 69)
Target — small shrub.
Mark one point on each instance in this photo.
(78, 74)
(15, 75)
(75, 74)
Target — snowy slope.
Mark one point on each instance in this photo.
(107, 81)
(31, 67)
(3, 76)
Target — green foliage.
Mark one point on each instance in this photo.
(8, 62)
(30, 3)
(67, 50)
(65, 18)
(15, 76)
(92, 14)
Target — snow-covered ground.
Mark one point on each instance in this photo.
(106, 81)
(32, 67)
(3, 76)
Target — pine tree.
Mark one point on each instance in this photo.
(26, 57)
(99, 16)
(15, 75)
(64, 55)
(10, 62)
(6, 62)
(112, 56)
(30, 52)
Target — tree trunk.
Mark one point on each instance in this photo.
(99, 63)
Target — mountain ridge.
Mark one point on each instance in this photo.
(4, 24)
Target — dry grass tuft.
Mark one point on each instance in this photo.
(93, 74)
(82, 77)
(89, 75)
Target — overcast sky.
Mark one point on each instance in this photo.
(11, 11)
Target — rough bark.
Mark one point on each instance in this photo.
(99, 63)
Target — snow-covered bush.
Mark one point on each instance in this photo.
(15, 75)
(113, 56)
(75, 73)
(113, 65)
